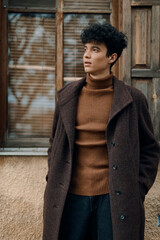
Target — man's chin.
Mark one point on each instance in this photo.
(88, 71)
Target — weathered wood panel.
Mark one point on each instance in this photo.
(141, 37)
(49, 4)
(151, 89)
(145, 73)
(156, 106)
(145, 2)
(142, 26)
(145, 85)
(3, 74)
(87, 4)
(116, 20)
(155, 50)
(59, 65)
(126, 27)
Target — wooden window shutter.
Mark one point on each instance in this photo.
(31, 69)
(73, 48)
(43, 4)
(89, 4)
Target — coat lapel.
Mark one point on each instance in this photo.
(122, 98)
(68, 97)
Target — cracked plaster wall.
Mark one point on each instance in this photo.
(21, 199)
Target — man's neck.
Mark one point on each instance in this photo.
(100, 75)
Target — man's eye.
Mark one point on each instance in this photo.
(95, 49)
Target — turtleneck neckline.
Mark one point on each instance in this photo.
(101, 83)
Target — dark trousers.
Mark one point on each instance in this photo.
(86, 213)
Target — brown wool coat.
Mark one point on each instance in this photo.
(133, 159)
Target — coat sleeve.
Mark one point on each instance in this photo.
(54, 125)
(149, 149)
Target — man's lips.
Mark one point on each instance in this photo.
(87, 63)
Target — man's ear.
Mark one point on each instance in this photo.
(112, 58)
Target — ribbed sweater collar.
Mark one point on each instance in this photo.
(101, 83)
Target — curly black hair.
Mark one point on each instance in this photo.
(114, 40)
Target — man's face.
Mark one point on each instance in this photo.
(95, 59)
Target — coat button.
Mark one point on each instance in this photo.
(61, 184)
(114, 167)
(55, 206)
(122, 216)
(117, 193)
(113, 144)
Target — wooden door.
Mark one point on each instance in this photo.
(141, 60)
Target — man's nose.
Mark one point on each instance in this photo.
(87, 54)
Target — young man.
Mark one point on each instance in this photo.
(103, 155)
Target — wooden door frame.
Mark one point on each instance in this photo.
(3, 73)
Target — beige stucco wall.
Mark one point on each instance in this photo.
(152, 206)
(21, 199)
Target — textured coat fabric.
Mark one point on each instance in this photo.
(133, 159)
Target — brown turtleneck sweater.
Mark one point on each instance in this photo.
(90, 163)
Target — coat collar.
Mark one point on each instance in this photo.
(68, 97)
